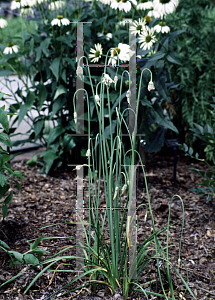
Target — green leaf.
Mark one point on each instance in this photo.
(36, 243)
(31, 259)
(157, 143)
(32, 162)
(3, 179)
(22, 113)
(60, 90)
(190, 151)
(55, 67)
(8, 199)
(55, 132)
(49, 157)
(173, 58)
(18, 174)
(30, 100)
(43, 93)
(38, 126)
(44, 46)
(4, 120)
(4, 138)
(162, 120)
(38, 51)
(3, 244)
(68, 143)
(158, 55)
(4, 189)
(17, 255)
(4, 211)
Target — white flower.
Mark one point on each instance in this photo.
(97, 54)
(107, 80)
(3, 23)
(88, 153)
(60, 21)
(128, 94)
(56, 5)
(11, 48)
(155, 14)
(137, 26)
(25, 11)
(75, 117)
(123, 4)
(80, 72)
(97, 99)
(124, 52)
(161, 27)
(124, 22)
(145, 4)
(147, 39)
(165, 6)
(14, 5)
(124, 188)
(151, 86)
(28, 3)
(107, 2)
(116, 192)
(78, 167)
(108, 36)
(115, 80)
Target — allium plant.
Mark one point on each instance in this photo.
(109, 235)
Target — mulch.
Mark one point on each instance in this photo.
(46, 200)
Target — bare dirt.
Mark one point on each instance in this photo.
(49, 199)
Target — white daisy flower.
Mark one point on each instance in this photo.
(28, 3)
(3, 23)
(151, 86)
(161, 27)
(107, 80)
(25, 11)
(106, 2)
(97, 99)
(97, 54)
(137, 26)
(60, 21)
(123, 4)
(124, 22)
(145, 4)
(108, 36)
(155, 14)
(11, 48)
(56, 5)
(147, 38)
(15, 4)
(165, 6)
(124, 52)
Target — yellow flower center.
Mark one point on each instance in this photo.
(143, 1)
(60, 17)
(148, 19)
(105, 32)
(97, 53)
(148, 38)
(18, 0)
(118, 51)
(10, 44)
(162, 23)
(124, 0)
(164, 1)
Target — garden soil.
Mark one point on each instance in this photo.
(46, 200)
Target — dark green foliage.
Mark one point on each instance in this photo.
(195, 75)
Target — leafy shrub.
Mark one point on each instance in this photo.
(195, 75)
(4, 165)
(48, 61)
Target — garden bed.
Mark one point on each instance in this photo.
(48, 199)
